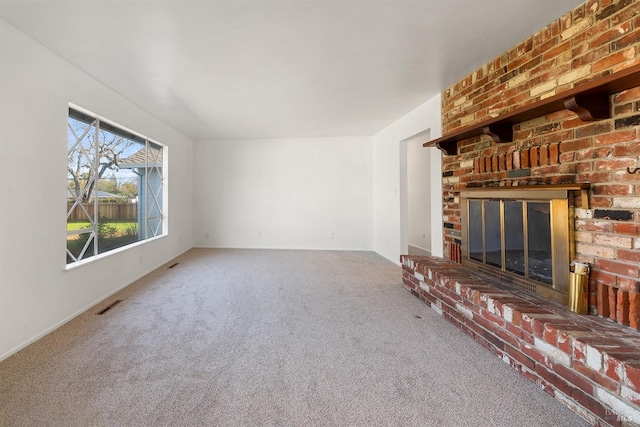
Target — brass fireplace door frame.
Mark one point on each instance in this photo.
(560, 198)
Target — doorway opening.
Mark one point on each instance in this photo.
(421, 196)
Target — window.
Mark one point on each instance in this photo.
(115, 187)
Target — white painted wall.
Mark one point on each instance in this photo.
(36, 293)
(390, 194)
(419, 193)
(284, 193)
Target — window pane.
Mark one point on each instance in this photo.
(492, 224)
(153, 196)
(514, 237)
(539, 239)
(121, 159)
(80, 172)
(81, 183)
(475, 230)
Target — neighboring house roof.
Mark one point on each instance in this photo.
(138, 159)
(107, 195)
(101, 195)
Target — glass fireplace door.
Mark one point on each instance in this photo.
(514, 237)
(520, 234)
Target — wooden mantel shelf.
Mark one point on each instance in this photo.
(589, 100)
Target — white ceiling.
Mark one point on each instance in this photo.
(229, 69)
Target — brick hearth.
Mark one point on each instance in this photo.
(590, 364)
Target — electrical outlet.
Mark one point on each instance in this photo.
(331, 235)
(207, 235)
(141, 259)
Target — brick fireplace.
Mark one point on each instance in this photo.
(562, 107)
(599, 39)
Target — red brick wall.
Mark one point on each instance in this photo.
(597, 38)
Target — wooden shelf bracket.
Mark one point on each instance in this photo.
(499, 132)
(590, 107)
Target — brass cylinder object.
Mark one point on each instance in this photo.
(579, 288)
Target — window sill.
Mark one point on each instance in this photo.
(78, 264)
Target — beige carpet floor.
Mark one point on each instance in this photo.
(267, 338)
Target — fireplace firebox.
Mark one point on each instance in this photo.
(522, 235)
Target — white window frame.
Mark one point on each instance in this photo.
(149, 233)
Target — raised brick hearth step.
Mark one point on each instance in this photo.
(590, 364)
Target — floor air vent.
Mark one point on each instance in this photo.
(110, 306)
